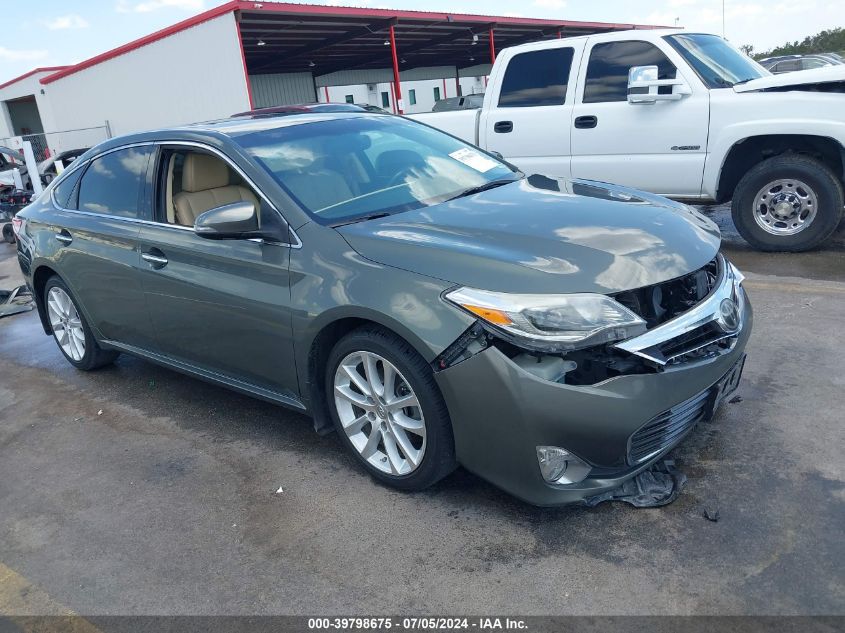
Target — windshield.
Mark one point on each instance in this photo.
(718, 63)
(355, 167)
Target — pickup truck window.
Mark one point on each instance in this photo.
(538, 78)
(717, 63)
(607, 72)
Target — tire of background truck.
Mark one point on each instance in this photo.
(70, 329)
(8, 233)
(788, 203)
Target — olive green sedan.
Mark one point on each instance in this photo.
(421, 297)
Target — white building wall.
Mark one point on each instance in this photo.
(193, 75)
(25, 87)
(424, 91)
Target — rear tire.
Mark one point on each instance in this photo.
(407, 447)
(789, 202)
(70, 329)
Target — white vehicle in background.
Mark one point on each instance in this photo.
(685, 115)
(11, 159)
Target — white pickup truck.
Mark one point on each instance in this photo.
(681, 114)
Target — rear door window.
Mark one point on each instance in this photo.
(537, 78)
(114, 183)
(607, 72)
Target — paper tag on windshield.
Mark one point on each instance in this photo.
(476, 160)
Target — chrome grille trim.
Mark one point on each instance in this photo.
(704, 315)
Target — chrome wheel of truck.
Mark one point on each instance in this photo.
(785, 206)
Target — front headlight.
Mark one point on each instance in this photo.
(552, 322)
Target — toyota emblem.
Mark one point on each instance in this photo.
(729, 315)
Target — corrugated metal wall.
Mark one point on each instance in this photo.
(282, 89)
(193, 75)
(385, 75)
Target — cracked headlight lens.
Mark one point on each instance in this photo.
(557, 322)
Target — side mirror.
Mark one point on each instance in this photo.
(644, 86)
(238, 220)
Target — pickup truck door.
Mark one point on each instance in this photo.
(527, 117)
(658, 147)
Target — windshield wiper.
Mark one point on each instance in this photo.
(363, 218)
(487, 185)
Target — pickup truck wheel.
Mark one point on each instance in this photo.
(788, 203)
(388, 410)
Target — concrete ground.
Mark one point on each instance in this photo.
(137, 490)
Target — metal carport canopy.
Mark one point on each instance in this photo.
(282, 37)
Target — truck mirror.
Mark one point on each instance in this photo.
(644, 86)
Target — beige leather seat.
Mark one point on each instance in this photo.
(205, 185)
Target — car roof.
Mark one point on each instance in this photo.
(302, 108)
(217, 131)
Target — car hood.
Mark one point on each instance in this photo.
(801, 79)
(544, 235)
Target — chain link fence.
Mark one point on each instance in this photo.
(47, 144)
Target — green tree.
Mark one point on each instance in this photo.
(829, 40)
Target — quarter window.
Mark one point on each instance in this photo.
(437, 94)
(112, 184)
(412, 96)
(385, 100)
(607, 72)
(350, 98)
(66, 192)
(538, 78)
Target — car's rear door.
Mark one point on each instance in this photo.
(94, 230)
(221, 307)
(530, 109)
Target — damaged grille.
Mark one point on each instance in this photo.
(667, 427)
(662, 302)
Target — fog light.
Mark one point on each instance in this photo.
(559, 466)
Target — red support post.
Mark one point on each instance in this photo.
(492, 47)
(396, 82)
(326, 88)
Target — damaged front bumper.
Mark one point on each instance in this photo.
(618, 427)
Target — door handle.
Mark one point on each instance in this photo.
(586, 122)
(155, 257)
(64, 237)
(503, 127)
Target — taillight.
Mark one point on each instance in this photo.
(17, 225)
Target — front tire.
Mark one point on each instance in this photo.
(388, 409)
(787, 203)
(70, 329)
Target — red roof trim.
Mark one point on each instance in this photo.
(34, 71)
(312, 9)
(149, 39)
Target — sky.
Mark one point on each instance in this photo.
(59, 32)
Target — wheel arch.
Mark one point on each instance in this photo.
(745, 153)
(40, 276)
(331, 327)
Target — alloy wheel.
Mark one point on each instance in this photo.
(785, 207)
(380, 413)
(66, 323)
